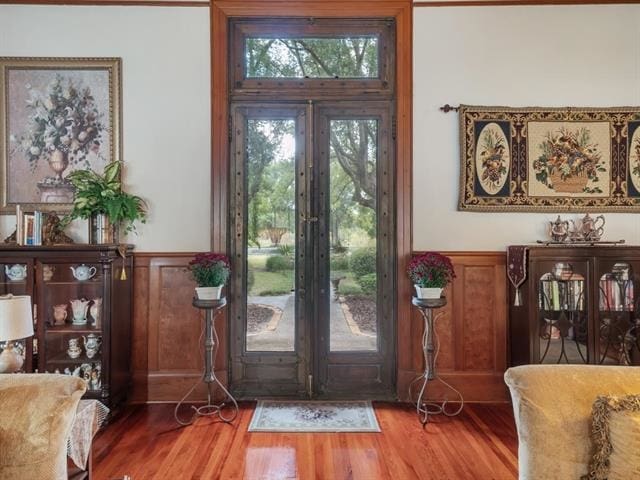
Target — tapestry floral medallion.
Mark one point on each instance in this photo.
(538, 159)
(303, 416)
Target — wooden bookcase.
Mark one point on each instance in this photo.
(104, 299)
(580, 305)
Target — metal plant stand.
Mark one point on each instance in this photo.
(430, 350)
(212, 308)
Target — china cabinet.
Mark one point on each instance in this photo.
(578, 305)
(82, 304)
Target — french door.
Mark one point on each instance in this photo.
(312, 242)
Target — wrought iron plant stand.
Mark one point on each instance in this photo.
(430, 351)
(212, 308)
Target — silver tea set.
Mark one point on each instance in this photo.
(586, 229)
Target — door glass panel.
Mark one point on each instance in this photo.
(563, 323)
(352, 234)
(271, 233)
(305, 57)
(619, 328)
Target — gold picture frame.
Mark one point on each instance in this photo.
(58, 115)
(549, 159)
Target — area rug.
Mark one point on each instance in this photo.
(300, 416)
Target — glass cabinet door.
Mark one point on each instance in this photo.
(16, 278)
(71, 306)
(562, 335)
(618, 339)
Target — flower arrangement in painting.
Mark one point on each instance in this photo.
(64, 126)
(569, 160)
(636, 166)
(210, 269)
(493, 157)
(431, 270)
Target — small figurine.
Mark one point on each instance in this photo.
(53, 232)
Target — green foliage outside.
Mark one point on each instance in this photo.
(339, 262)
(278, 263)
(368, 283)
(363, 261)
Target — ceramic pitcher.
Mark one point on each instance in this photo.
(91, 344)
(79, 308)
(60, 314)
(95, 311)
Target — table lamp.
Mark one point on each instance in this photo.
(16, 322)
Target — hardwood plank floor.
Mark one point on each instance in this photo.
(145, 442)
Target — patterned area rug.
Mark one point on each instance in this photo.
(299, 416)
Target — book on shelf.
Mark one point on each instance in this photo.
(616, 294)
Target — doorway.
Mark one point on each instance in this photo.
(312, 229)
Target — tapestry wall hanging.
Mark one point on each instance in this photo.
(550, 159)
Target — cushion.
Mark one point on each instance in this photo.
(616, 435)
(36, 413)
(553, 411)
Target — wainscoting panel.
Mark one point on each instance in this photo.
(167, 345)
(167, 356)
(472, 332)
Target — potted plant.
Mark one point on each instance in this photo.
(211, 272)
(100, 198)
(430, 272)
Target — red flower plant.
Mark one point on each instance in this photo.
(210, 269)
(431, 270)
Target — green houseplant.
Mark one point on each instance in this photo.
(430, 272)
(100, 198)
(210, 271)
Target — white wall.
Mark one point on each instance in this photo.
(515, 56)
(166, 103)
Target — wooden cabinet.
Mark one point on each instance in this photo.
(82, 301)
(579, 305)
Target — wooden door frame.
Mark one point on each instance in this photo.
(402, 12)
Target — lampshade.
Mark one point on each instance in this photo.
(16, 319)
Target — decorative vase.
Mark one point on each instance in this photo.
(58, 161)
(209, 293)
(102, 230)
(429, 293)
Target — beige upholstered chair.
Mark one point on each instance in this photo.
(552, 407)
(36, 413)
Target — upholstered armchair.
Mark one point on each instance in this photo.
(36, 414)
(552, 405)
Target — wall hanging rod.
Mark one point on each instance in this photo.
(448, 108)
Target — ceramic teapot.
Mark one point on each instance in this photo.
(91, 344)
(16, 272)
(83, 272)
(79, 307)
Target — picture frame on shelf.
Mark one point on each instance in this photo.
(60, 115)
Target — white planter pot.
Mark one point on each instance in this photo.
(429, 293)
(209, 293)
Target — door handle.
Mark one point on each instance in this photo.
(309, 219)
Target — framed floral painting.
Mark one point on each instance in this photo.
(58, 115)
(550, 159)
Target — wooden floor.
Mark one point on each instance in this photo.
(146, 443)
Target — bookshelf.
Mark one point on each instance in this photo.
(580, 305)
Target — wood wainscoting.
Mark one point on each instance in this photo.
(167, 351)
(167, 355)
(472, 332)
